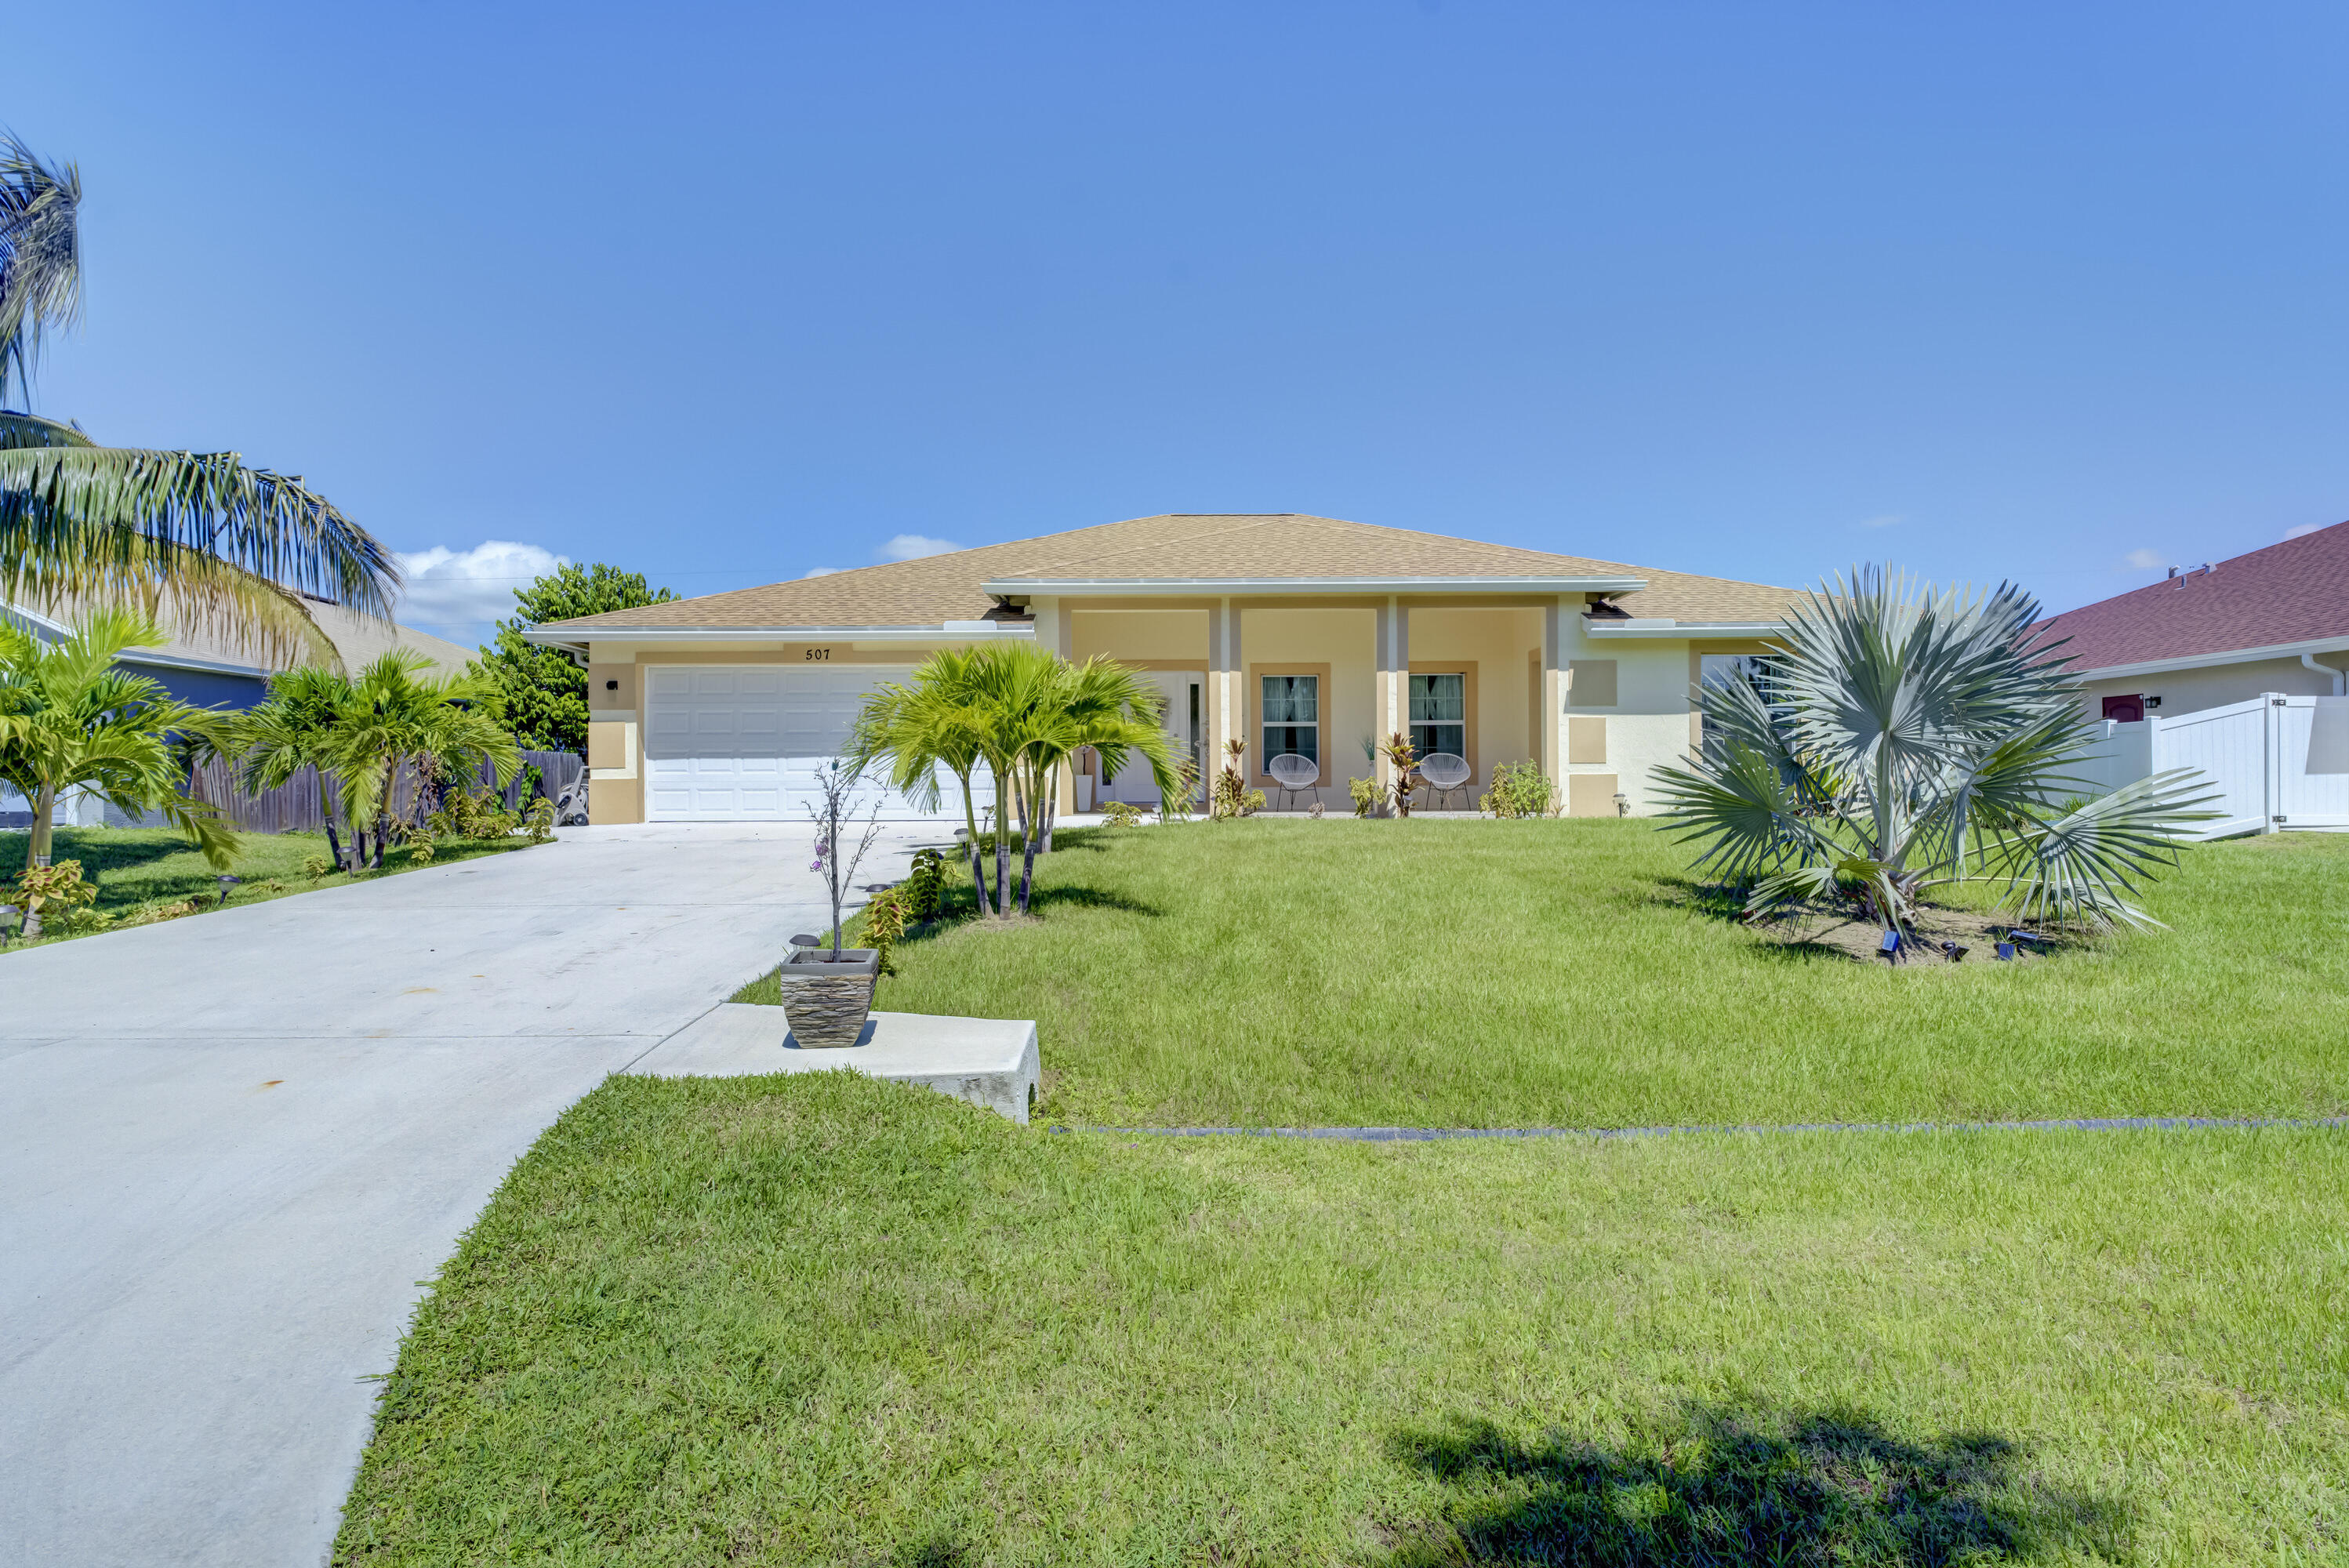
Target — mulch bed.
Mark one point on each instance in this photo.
(1841, 931)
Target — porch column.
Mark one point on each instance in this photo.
(1218, 716)
(1056, 629)
(1393, 709)
(1553, 693)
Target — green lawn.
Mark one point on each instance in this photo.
(140, 870)
(825, 1320)
(1528, 973)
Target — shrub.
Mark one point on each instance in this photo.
(1365, 792)
(884, 922)
(1231, 797)
(1120, 814)
(1520, 789)
(1405, 756)
(316, 867)
(540, 820)
(421, 852)
(926, 886)
(50, 895)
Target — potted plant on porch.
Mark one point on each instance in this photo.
(827, 994)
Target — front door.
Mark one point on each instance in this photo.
(1185, 693)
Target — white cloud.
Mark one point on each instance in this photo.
(914, 546)
(462, 589)
(1886, 520)
(2146, 560)
(822, 571)
(2304, 530)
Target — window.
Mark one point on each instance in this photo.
(1723, 669)
(1292, 718)
(1439, 714)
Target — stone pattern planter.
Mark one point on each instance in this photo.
(825, 1003)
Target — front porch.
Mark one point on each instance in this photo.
(1327, 679)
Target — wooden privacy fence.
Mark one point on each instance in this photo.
(293, 806)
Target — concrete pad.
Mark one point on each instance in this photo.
(990, 1062)
(232, 1146)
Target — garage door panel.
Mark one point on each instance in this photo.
(745, 743)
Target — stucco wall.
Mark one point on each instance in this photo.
(2213, 686)
(1497, 641)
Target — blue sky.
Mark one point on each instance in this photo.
(728, 294)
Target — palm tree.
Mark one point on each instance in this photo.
(70, 719)
(294, 729)
(223, 545)
(1903, 737)
(919, 729)
(1099, 703)
(397, 714)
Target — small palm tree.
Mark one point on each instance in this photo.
(293, 728)
(1903, 737)
(397, 714)
(70, 719)
(1100, 703)
(922, 727)
(226, 546)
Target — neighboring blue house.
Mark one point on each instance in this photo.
(206, 672)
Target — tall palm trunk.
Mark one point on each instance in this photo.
(1031, 829)
(45, 808)
(1002, 840)
(327, 815)
(45, 812)
(977, 864)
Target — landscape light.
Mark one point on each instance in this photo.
(2006, 951)
(1954, 952)
(226, 882)
(1890, 947)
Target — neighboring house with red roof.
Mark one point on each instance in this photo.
(2276, 620)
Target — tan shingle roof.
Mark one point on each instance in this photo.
(940, 588)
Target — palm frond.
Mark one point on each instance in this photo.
(40, 257)
(2079, 869)
(77, 518)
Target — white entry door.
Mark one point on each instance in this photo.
(1186, 696)
(742, 742)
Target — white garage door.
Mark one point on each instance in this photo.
(734, 743)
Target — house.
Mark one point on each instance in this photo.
(204, 669)
(1302, 634)
(2276, 620)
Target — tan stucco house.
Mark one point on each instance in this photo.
(1305, 635)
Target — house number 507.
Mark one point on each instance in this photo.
(815, 654)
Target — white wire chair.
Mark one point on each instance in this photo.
(1295, 775)
(1445, 774)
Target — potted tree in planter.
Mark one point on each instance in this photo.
(827, 994)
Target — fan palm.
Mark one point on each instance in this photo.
(292, 728)
(397, 714)
(70, 719)
(221, 545)
(1904, 736)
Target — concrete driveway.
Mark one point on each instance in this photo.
(232, 1147)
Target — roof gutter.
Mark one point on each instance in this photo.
(1156, 585)
(39, 624)
(2340, 678)
(950, 631)
(1660, 626)
(2230, 656)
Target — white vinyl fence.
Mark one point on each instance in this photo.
(2279, 764)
